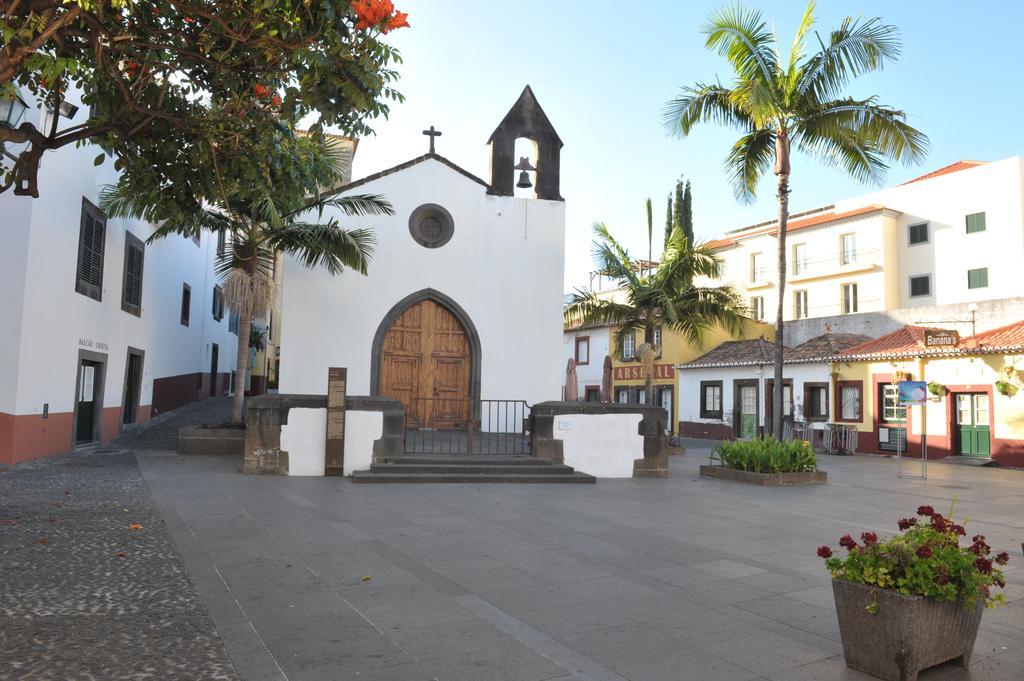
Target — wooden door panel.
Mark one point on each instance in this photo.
(426, 364)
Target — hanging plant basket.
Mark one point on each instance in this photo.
(937, 389)
(1006, 388)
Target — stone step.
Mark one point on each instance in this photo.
(472, 467)
(478, 478)
(463, 460)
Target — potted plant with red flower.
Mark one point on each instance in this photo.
(914, 600)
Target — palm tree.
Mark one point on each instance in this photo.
(664, 298)
(802, 103)
(258, 225)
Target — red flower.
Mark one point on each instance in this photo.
(942, 578)
(869, 538)
(906, 523)
(371, 13)
(925, 510)
(847, 542)
(259, 90)
(939, 523)
(189, 20)
(984, 565)
(824, 552)
(275, 100)
(400, 20)
(958, 529)
(1003, 558)
(924, 552)
(978, 539)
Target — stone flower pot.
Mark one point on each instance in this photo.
(906, 635)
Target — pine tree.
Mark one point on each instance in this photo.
(677, 218)
(687, 220)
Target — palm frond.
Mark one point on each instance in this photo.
(742, 36)
(703, 103)
(750, 158)
(584, 308)
(796, 50)
(324, 245)
(611, 258)
(359, 204)
(856, 47)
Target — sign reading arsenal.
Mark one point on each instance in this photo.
(662, 372)
(941, 338)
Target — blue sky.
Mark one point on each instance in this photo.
(603, 70)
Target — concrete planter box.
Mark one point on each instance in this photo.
(195, 440)
(767, 479)
(906, 635)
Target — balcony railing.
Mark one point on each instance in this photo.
(848, 261)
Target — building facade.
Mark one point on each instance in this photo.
(102, 329)
(955, 235)
(587, 347)
(463, 301)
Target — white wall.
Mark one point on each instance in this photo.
(503, 266)
(304, 437)
(48, 321)
(592, 373)
(603, 445)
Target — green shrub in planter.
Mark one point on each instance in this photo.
(767, 455)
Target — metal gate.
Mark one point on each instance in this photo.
(467, 427)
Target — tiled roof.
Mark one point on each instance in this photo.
(736, 354)
(909, 342)
(823, 347)
(795, 225)
(945, 170)
(1009, 338)
(905, 342)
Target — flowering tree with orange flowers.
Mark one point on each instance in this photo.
(170, 85)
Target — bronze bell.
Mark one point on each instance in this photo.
(524, 176)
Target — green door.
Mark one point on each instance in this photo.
(748, 411)
(972, 424)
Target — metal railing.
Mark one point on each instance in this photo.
(840, 439)
(449, 426)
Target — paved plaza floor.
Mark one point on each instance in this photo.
(313, 579)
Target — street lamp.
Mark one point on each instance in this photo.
(11, 111)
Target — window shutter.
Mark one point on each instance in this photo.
(134, 258)
(89, 280)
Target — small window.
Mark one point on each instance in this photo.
(800, 304)
(592, 393)
(787, 398)
(892, 410)
(975, 223)
(91, 237)
(131, 286)
(756, 268)
(977, 278)
(849, 397)
(583, 350)
(711, 399)
(816, 401)
(921, 285)
(628, 345)
(918, 234)
(218, 303)
(848, 249)
(233, 322)
(849, 298)
(186, 304)
(758, 308)
(622, 395)
(799, 259)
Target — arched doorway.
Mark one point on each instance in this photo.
(426, 355)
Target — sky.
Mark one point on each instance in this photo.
(603, 70)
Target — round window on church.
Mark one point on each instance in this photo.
(431, 225)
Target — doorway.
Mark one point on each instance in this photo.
(214, 351)
(745, 408)
(973, 431)
(132, 386)
(665, 395)
(89, 381)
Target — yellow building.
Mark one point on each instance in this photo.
(627, 376)
(975, 406)
(264, 361)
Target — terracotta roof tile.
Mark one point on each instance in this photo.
(823, 347)
(736, 353)
(946, 170)
(907, 341)
(1004, 338)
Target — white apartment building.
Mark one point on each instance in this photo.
(954, 235)
(587, 346)
(101, 329)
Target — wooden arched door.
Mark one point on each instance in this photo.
(427, 365)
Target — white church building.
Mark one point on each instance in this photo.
(463, 300)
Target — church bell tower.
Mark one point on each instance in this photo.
(525, 119)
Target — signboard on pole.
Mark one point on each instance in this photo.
(941, 338)
(337, 387)
(913, 392)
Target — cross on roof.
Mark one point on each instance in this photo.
(432, 134)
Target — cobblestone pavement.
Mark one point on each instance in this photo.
(162, 431)
(85, 596)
